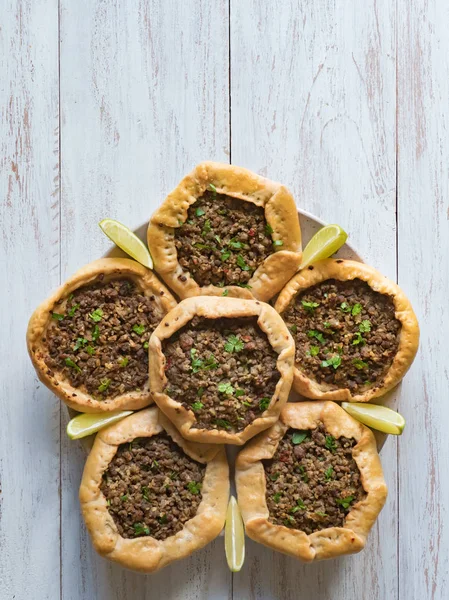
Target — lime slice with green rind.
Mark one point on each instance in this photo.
(87, 423)
(128, 241)
(324, 243)
(376, 416)
(234, 537)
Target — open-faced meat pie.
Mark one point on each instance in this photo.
(312, 485)
(225, 230)
(89, 340)
(355, 331)
(149, 497)
(221, 368)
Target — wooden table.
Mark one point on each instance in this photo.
(105, 104)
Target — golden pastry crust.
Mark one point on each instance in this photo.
(344, 270)
(147, 554)
(280, 212)
(111, 268)
(251, 485)
(214, 308)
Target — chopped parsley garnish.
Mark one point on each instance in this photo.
(140, 528)
(289, 521)
(222, 423)
(139, 329)
(189, 221)
(241, 263)
(196, 406)
(212, 188)
(345, 502)
(312, 333)
(359, 364)
(217, 238)
(202, 246)
(320, 514)
(245, 285)
(293, 328)
(225, 254)
(199, 363)
(80, 343)
(365, 326)
(69, 362)
(234, 243)
(95, 333)
(200, 392)
(104, 384)
(226, 388)
(301, 504)
(268, 229)
(313, 350)
(206, 227)
(344, 306)
(358, 339)
(264, 403)
(304, 475)
(146, 344)
(57, 316)
(163, 519)
(145, 493)
(234, 344)
(328, 473)
(96, 315)
(330, 443)
(333, 361)
(199, 212)
(194, 487)
(239, 393)
(124, 362)
(299, 436)
(124, 498)
(73, 310)
(309, 306)
(274, 476)
(277, 497)
(90, 350)
(278, 243)
(225, 293)
(356, 309)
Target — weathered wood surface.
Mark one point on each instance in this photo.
(344, 102)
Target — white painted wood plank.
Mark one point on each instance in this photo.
(313, 105)
(144, 96)
(29, 258)
(423, 261)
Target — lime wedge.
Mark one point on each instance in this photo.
(234, 537)
(125, 239)
(375, 416)
(324, 243)
(87, 423)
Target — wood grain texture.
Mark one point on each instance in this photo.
(144, 97)
(423, 267)
(29, 257)
(313, 105)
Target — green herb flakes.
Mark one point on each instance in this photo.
(264, 403)
(334, 361)
(234, 344)
(365, 326)
(213, 188)
(356, 309)
(199, 212)
(96, 315)
(277, 497)
(140, 528)
(104, 384)
(268, 229)
(225, 293)
(313, 350)
(57, 316)
(299, 436)
(197, 406)
(294, 328)
(95, 333)
(69, 362)
(194, 487)
(309, 306)
(344, 306)
(359, 364)
(73, 310)
(328, 473)
(241, 263)
(139, 329)
(330, 443)
(358, 339)
(312, 333)
(222, 423)
(225, 388)
(80, 343)
(124, 361)
(278, 243)
(345, 502)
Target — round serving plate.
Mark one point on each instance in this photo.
(309, 226)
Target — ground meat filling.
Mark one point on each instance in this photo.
(99, 336)
(152, 487)
(223, 241)
(222, 369)
(346, 334)
(312, 480)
